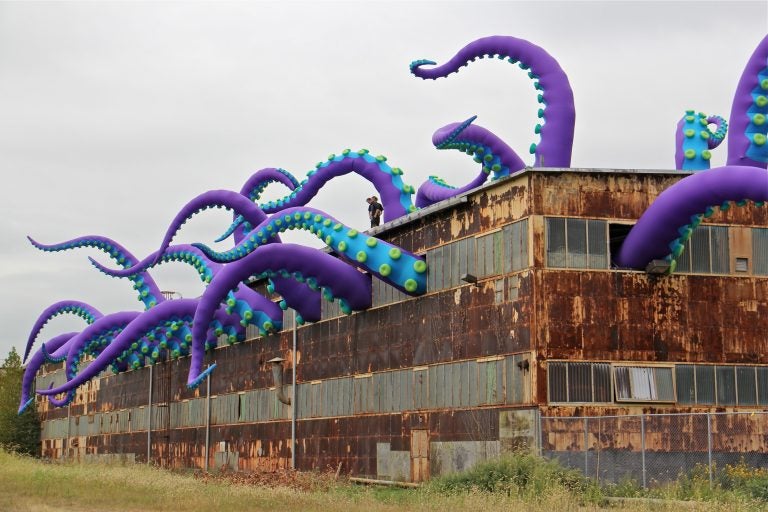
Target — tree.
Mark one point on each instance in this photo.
(17, 432)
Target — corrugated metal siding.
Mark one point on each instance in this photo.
(225, 409)
(54, 429)
(57, 378)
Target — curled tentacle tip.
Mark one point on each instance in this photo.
(192, 384)
(25, 405)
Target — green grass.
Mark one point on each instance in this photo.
(519, 482)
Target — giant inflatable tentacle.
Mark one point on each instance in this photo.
(664, 227)
(323, 270)
(252, 189)
(212, 199)
(149, 293)
(35, 363)
(77, 308)
(304, 298)
(184, 253)
(556, 97)
(255, 185)
(487, 149)
(748, 135)
(135, 328)
(694, 140)
(106, 325)
(400, 268)
(395, 195)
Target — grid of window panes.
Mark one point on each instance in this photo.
(579, 382)
(760, 251)
(721, 385)
(329, 309)
(385, 294)
(706, 252)
(446, 264)
(577, 243)
(502, 251)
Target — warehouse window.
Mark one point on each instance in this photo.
(706, 252)
(490, 254)
(579, 382)
(515, 245)
(722, 385)
(576, 243)
(449, 262)
(644, 384)
(760, 251)
(384, 293)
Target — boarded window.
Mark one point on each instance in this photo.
(746, 385)
(762, 385)
(576, 243)
(556, 243)
(515, 237)
(644, 384)
(329, 309)
(705, 385)
(490, 254)
(760, 251)
(686, 384)
(579, 382)
(449, 262)
(706, 252)
(726, 385)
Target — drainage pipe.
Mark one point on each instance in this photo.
(294, 402)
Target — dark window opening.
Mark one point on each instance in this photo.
(617, 233)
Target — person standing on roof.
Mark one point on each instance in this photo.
(375, 209)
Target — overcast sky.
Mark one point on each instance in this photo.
(113, 115)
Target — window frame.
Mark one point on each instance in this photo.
(656, 383)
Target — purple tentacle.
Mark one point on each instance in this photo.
(135, 327)
(77, 346)
(77, 308)
(149, 293)
(255, 185)
(556, 98)
(663, 228)
(395, 196)
(213, 198)
(493, 153)
(338, 278)
(36, 362)
(185, 253)
(747, 144)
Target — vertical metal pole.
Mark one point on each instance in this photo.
(207, 420)
(149, 418)
(642, 446)
(541, 433)
(709, 447)
(586, 446)
(69, 422)
(294, 405)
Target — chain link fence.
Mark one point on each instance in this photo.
(655, 448)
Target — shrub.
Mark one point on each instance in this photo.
(523, 475)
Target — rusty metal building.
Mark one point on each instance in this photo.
(420, 386)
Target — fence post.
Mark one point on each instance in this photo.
(709, 447)
(586, 446)
(541, 433)
(642, 446)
